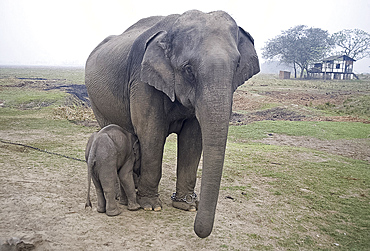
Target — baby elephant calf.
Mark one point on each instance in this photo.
(109, 152)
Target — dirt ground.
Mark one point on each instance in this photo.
(42, 208)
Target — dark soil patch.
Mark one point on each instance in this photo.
(277, 113)
(78, 91)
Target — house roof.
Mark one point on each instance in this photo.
(340, 57)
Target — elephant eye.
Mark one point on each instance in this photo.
(188, 70)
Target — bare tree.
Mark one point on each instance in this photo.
(353, 43)
(298, 46)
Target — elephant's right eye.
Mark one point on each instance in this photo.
(188, 71)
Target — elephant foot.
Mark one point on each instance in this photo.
(187, 203)
(133, 206)
(123, 201)
(150, 203)
(157, 208)
(100, 209)
(184, 206)
(113, 212)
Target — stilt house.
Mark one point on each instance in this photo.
(335, 67)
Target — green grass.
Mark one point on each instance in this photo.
(302, 198)
(359, 106)
(43, 131)
(263, 82)
(356, 104)
(73, 75)
(29, 113)
(170, 150)
(268, 106)
(320, 130)
(326, 193)
(30, 98)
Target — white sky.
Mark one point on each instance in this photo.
(64, 32)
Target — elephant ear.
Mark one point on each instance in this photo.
(156, 69)
(248, 65)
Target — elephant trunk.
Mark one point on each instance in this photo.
(213, 116)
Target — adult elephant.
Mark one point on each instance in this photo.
(174, 74)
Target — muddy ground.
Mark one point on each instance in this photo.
(42, 208)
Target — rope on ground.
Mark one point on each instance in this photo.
(40, 150)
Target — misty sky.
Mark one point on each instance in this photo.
(64, 32)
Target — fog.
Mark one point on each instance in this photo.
(63, 33)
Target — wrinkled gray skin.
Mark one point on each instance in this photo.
(174, 74)
(109, 152)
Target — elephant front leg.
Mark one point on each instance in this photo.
(149, 120)
(152, 138)
(189, 153)
(151, 173)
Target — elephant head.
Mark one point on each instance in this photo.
(200, 61)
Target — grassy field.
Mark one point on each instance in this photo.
(296, 174)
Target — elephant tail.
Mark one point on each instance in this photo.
(90, 165)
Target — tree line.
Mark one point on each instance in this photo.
(301, 46)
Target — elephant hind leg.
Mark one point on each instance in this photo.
(111, 208)
(99, 194)
(108, 178)
(122, 197)
(127, 182)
